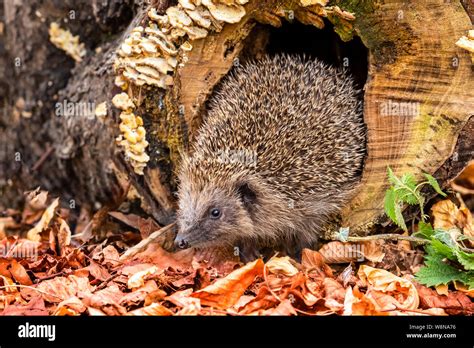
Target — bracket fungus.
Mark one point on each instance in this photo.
(64, 40)
(133, 134)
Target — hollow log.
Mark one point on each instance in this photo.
(418, 98)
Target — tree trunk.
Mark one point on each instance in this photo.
(418, 98)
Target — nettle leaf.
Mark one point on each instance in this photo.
(392, 178)
(442, 249)
(407, 196)
(393, 209)
(434, 184)
(437, 272)
(425, 230)
(409, 181)
(465, 259)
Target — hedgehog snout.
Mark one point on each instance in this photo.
(181, 242)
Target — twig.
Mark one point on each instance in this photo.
(388, 236)
(30, 287)
(44, 156)
(146, 242)
(105, 282)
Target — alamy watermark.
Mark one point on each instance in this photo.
(243, 156)
(28, 250)
(397, 108)
(75, 109)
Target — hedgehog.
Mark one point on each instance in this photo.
(279, 153)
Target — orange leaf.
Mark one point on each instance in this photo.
(35, 233)
(314, 261)
(19, 273)
(381, 283)
(153, 309)
(226, 292)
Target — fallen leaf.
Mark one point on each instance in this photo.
(19, 273)
(281, 265)
(34, 233)
(107, 300)
(138, 296)
(264, 300)
(111, 256)
(284, 308)
(34, 307)
(189, 305)
(388, 291)
(138, 279)
(225, 292)
(334, 294)
(153, 309)
(64, 235)
(73, 306)
(58, 289)
(313, 261)
(447, 215)
(455, 302)
(97, 271)
(145, 226)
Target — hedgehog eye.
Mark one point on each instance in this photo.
(215, 213)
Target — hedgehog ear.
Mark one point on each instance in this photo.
(247, 194)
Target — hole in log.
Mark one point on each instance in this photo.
(324, 44)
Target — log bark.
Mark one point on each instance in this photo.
(413, 63)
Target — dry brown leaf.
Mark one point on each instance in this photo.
(19, 273)
(153, 309)
(464, 182)
(138, 296)
(34, 307)
(6, 223)
(264, 300)
(137, 280)
(281, 265)
(314, 261)
(34, 234)
(58, 289)
(111, 256)
(284, 308)
(189, 305)
(463, 288)
(387, 291)
(225, 292)
(71, 307)
(447, 215)
(107, 300)
(64, 235)
(97, 271)
(145, 226)
(455, 302)
(334, 294)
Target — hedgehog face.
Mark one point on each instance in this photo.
(211, 217)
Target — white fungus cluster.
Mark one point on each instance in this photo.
(150, 55)
(132, 137)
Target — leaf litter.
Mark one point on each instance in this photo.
(46, 270)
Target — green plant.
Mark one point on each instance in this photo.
(405, 189)
(447, 258)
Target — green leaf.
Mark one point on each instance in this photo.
(409, 181)
(442, 249)
(393, 209)
(425, 230)
(437, 272)
(465, 259)
(434, 184)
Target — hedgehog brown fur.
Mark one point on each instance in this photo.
(278, 154)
